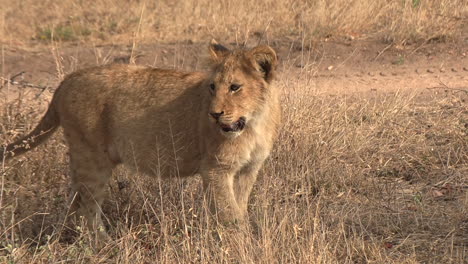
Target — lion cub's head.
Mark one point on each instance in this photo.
(239, 86)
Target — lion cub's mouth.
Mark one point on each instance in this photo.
(234, 127)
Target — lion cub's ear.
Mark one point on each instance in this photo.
(265, 60)
(217, 51)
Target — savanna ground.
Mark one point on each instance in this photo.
(371, 165)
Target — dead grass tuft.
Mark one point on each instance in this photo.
(377, 178)
(165, 21)
(370, 177)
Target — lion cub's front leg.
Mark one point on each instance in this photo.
(244, 181)
(218, 182)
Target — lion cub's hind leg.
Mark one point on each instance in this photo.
(90, 169)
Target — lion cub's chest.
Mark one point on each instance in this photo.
(250, 147)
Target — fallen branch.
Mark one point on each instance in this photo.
(22, 83)
(382, 51)
(17, 75)
(446, 87)
(461, 89)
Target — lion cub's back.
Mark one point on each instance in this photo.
(121, 80)
(132, 107)
(88, 91)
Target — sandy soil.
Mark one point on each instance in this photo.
(335, 66)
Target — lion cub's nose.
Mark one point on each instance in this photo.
(217, 115)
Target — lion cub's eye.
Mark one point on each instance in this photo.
(212, 87)
(235, 87)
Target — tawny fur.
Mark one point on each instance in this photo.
(158, 122)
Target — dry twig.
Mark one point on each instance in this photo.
(446, 87)
(22, 83)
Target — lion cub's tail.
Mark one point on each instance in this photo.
(46, 127)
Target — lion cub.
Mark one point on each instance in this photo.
(220, 124)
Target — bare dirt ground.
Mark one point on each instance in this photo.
(367, 72)
(336, 66)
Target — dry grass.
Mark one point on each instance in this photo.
(165, 21)
(364, 178)
(370, 178)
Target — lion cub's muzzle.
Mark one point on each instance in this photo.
(233, 127)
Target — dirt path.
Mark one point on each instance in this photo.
(335, 67)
